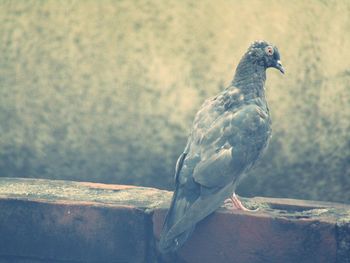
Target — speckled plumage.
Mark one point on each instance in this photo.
(229, 134)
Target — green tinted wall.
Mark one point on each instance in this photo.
(107, 90)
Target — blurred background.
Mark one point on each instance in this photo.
(106, 91)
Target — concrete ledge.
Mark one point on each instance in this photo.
(63, 221)
(51, 221)
(72, 232)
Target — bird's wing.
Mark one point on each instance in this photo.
(236, 144)
(230, 146)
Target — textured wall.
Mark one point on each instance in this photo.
(107, 90)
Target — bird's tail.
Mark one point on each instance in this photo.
(179, 204)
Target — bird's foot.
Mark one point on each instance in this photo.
(237, 204)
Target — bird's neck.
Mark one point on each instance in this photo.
(250, 78)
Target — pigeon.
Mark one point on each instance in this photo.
(230, 132)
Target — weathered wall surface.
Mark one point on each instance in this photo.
(107, 90)
(60, 221)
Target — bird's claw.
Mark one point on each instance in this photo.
(237, 204)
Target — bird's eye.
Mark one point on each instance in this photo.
(269, 50)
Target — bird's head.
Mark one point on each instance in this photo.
(265, 54)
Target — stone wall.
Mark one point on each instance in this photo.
(63, 221)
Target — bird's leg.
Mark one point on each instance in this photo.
(237, 204)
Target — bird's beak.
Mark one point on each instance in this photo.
(279, 66)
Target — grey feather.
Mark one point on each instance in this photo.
(229, 134)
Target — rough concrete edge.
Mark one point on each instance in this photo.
(289, 202)
(69, 202)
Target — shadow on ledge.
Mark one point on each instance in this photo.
(64, 221)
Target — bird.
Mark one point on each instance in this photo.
(230, 132)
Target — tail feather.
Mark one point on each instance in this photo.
(180, 203)
(185, 213)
